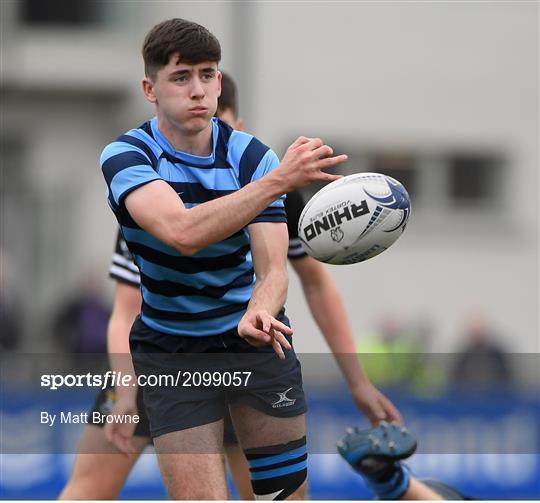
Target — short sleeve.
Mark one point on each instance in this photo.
(276, 211)
(125, 168)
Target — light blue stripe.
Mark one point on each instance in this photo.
(197, 279)
(268, 163)
(152, 144)
(116, 148)
(278, 472)
(210, 178)
(196, 328)
(278, 458)
(215, 250)
(196, 303)
(278, 203)
(131, 177)
(238, 143)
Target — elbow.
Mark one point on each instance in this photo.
(184, 242)
(186, 248)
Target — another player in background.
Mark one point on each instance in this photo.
(101, 476)
(377, 455)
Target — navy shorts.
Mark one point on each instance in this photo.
(203, 375)
(105, 402)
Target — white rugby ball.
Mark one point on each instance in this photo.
(354, 218)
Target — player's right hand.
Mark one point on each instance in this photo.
(259, 328)
(304, 162)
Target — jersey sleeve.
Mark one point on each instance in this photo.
(125, 168)
(123, 268)
(294, 204)
(276, 211)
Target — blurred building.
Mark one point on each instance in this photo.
(443, 96)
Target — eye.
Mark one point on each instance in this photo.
(180, 78)
(208, 76)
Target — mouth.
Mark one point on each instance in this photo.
(198, 110)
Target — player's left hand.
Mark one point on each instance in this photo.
(120, 434)
(374, 404)
(259, 328)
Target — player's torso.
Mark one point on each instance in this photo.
(206, 293)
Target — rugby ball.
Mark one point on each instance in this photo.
(354, 218)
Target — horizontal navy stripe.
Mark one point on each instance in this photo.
(136, 142)
(119, 162)
(190, 265)
(203, 315)
(198, 280)
(250, 160)
(196, 328)
(125, 219)
(197, 193)
(173, 289)
(265, 218)
(191, 164)
(274, 211)
(196, 303)
(288, 462)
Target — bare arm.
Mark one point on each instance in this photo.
(269, 242)
(127, 305)
(328, 310)
(158, 209)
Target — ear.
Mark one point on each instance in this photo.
(148, 90)
(239, 125)
(219, 75)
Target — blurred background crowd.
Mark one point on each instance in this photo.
(443, 96)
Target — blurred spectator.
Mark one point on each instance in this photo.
(80, 326)
(483, 361)
(392, 356)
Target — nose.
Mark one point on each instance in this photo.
(197, 88)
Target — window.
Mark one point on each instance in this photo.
(67, 13)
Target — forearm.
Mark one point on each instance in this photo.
(270, 292)
(219, 218)
(158, 210)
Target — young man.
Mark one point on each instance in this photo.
(200, 207)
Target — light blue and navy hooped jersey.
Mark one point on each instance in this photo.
(207, 293)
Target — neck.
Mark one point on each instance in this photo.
(196, 142)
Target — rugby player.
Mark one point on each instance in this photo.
(97, 476)
(200, 206)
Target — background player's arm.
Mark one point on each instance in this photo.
(157, 208)
(126, 307)
(269, 243)
(328, 310)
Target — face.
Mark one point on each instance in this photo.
(185, 95)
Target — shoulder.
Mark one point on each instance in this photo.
(138, 140)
